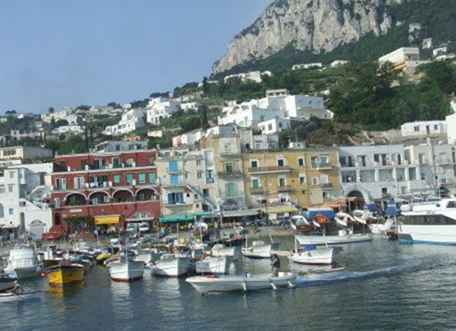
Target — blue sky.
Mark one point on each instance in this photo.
(72, 52)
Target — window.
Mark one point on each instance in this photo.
(229, 168)
(152, 178)
(2, 213)
(256, 183)
(129, 179)
(11, 211)
(254, 164)
(174, 180)
(270, 127)
(416, 128)
(301, 162)
(60, 184)
(302, 179)
(231, 189)
(78, 182)
(2, 188)
(199, 174)
(11, 174)
(142, 178)
(175, 198)
(282, 181)
(324, 179)
(280, 162)
(10, 188)
(116, 162)
(116, 179)
(315, 180)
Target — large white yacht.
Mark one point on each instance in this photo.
(23, 263)
(430, 223)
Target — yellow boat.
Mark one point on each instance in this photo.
(65, 274)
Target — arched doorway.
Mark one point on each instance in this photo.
(123, 196)
(75, 199)
(99, 198)
(145, 195)
(355, 200)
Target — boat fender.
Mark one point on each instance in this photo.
(274, 287)
(244, 286)
(291, 284)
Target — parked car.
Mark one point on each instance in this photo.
(144, 227)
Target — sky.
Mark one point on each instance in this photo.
(67, 53)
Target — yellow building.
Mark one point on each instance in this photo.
(280, 181)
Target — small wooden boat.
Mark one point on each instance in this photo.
(64, 274)
(126, 270)
(209, 284)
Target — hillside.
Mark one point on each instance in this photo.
(300, 31)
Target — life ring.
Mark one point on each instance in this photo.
(321, 219)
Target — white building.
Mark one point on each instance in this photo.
(188, 138)
(24, 190)
(338, 63)
(132, 120)
(68, 129)
(424, 128)
(451, 128)
(21, 134)
(274, 125)
(160, 108)
(24, 153)
(111, 146)
(379, 172)
(254, 76)
(189, 106)
(404, 59)
(280, 106)
(439, 51)
(67, 114)
(305, 66)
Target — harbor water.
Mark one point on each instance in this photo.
(386, 286)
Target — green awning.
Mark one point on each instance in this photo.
(183, 217)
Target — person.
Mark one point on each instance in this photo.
(275, 264)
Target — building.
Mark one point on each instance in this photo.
(189, 138)
(424, 129)
(305, 66)
(67, 114)
(451, 127)
(24, 193)
(338, 63)
(273, 126)
(131, 121)
(24, 153)
(122, 184)
(68, 129)
(379, 172)
(188, 183)
(282, 181)
(18, 135)
(160, 108)
(276, 105)
(404, 59)
(111, 146)
(189, 106)
(253, 76)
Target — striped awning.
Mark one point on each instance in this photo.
(183, 217)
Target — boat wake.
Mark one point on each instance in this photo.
(342, 276)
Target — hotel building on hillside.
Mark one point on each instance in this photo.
(122, 184)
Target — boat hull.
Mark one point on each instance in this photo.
(126, 271)
(176, 267)
(321, 256)
(25, 273)
(7, 283)
(253, 252)
(431, 234)
(23, 262)
(333, 240)
(205, 285)
(65, 276)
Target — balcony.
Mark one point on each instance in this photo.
(322, 166)
(257, 191)
(269, 170)
(230, 174)
(284, 189)
(327, 186)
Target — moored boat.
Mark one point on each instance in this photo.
(340, 239)
(65, 274)
(258, 250)
(23, 263)
(222, 250)
(213, 265)
(171, 265)
(209, 284)
(7, 283)
(315, 256)
(126, 270)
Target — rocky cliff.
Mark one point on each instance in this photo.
(314, 25)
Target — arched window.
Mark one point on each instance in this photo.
(2, 213)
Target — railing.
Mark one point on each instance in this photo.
(269, 169)
(230, 174)
(285, 188)
(257, 190)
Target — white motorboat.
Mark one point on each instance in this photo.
(171, 265)
(18, 295)
(382, 228)
(7, 283)
(258, 250)
(341, 239)
(208, 284)
(222, 250)
(317, 256)
(23, 263)
(213, 265)
(430, 223)
(126, 270)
